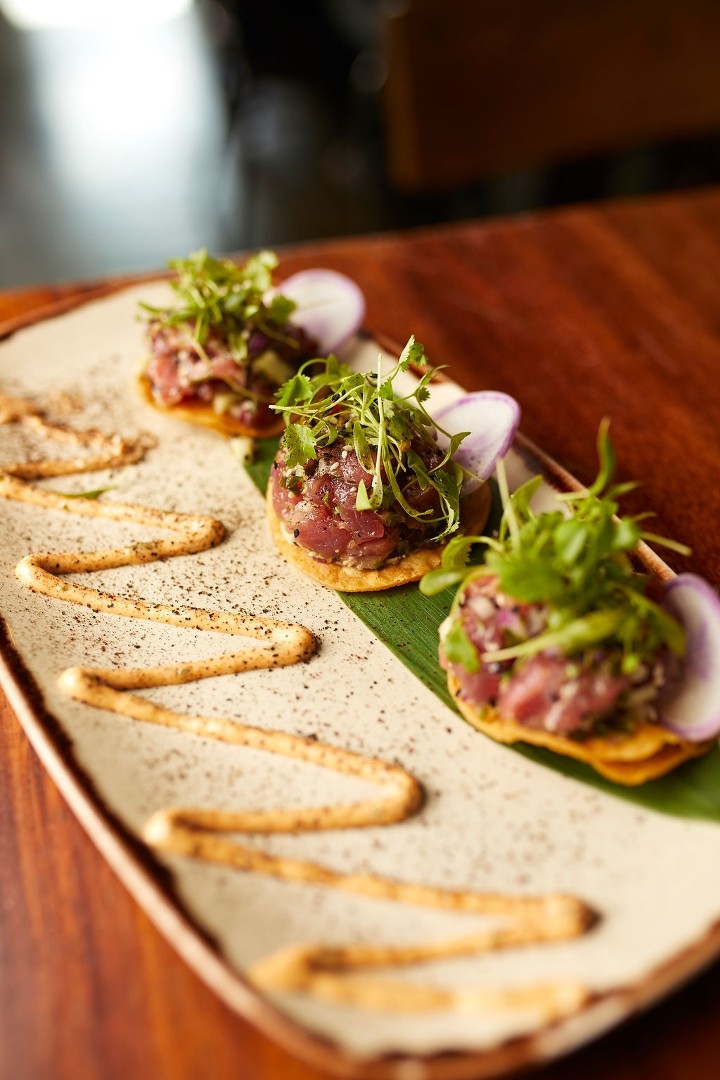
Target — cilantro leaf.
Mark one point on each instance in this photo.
(413, 353)
(299, 444)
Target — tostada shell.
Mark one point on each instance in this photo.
(474, 512)
(196, 412)
(633, 758)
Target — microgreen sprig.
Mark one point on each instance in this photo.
(222, 294)
(382, 426)
(577, 563)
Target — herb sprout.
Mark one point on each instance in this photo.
(578, 564)
(94, 493)
(219, 294)
(384, 429)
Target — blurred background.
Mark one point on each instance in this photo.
(134, 131)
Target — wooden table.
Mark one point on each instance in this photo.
(608, 310)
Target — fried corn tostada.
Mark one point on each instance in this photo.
(219, 352)
(365, 489)
(558, 641)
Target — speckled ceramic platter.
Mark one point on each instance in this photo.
(493, 819)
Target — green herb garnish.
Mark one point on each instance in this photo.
(94, 493)
(576, 563)
(384, 428)
(221, 294)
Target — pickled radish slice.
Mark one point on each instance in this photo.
(692, 710)
(491, 418)
(330, 306)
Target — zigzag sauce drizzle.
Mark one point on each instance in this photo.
(328, 972)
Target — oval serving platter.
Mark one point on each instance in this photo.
(493, 821)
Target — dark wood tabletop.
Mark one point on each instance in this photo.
(613, 310)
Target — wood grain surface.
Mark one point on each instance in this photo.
(605, 310)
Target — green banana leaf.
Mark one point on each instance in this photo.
(407, 622)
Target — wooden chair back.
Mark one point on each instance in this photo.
(479, 87)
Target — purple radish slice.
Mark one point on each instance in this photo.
(692, 710)
(330, 306)
(491, 418)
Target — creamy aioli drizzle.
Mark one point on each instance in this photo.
(332, 973)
